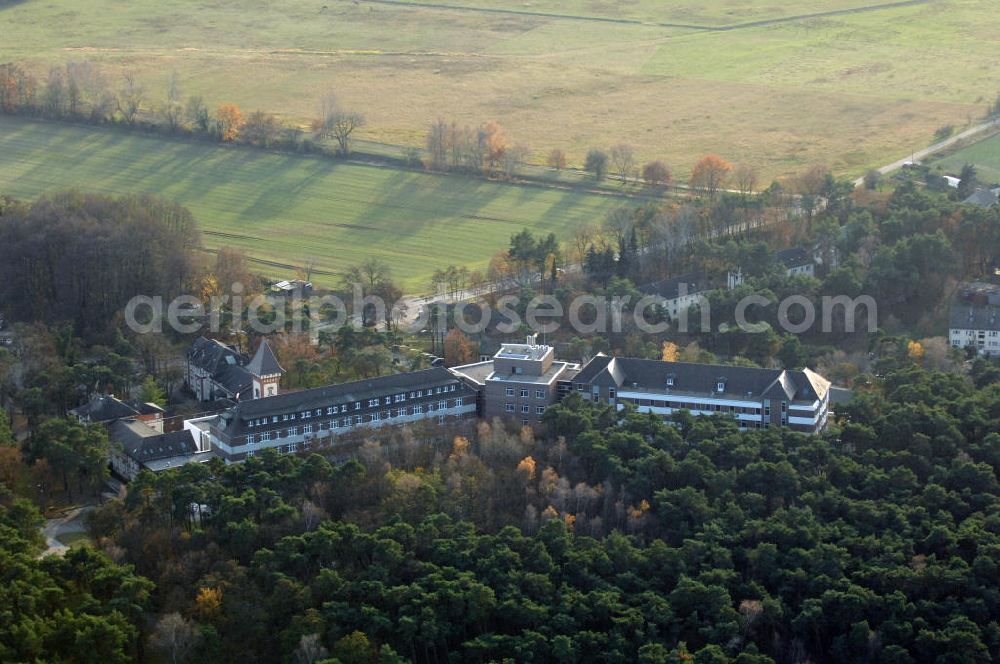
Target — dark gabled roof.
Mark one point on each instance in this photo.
(145, 408)
(670, 288)
(105, 408)
(986, 198)
(793, 257)
(223, 364)
(692, 378)
(143, 443)
(591, 369)
(213, 356)
(264, 363)
(967, 317)
(322, 397)
(236, 380)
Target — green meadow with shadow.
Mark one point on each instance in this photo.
(290, 210)
(984, 155)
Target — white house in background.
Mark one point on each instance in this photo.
(978, 327)
(680, 293)
(797, 262)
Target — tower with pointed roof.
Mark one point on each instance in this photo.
(265, 372)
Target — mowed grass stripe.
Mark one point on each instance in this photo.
(984, 155)
(294, 209)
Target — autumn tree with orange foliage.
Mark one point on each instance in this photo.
(208, 603)
(494, 143)
(710, 175)
(670, 352)
(17, 88)
(230, 119)
(458, 349)
(526, 468)
(301, 358)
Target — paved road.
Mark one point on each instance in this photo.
(933, 149)
(71, 522)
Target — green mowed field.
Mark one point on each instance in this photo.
(851, 91)
(295, 210)
(984, 155)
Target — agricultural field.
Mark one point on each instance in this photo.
(769, 84)
(702, 15)
(288, 210)
(984, 155)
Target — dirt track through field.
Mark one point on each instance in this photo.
(635, 21)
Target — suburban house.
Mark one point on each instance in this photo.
(136, 446)
(520, 381)
(755, 398)
(984, 198)
(106, 409)
(974, 320)
(297, 420)
(680, 293)
(975, 327)
(216, 371)
(797, 262)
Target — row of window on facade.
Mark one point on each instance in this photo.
(525, 408)
(346, 422)
(720, 387)
(286, 449)
(715, 407)
(525, 393)
(343, 408)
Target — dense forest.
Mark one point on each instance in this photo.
(80, 257)
(603, 539)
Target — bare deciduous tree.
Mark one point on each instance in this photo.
(173, 111)
(196, 113)
(438, 144)
(338, 123)
(556, 159)
(514, 158)
(746, 179)
(623, 159)
(583, 239)
(175, 637)
(130, 98)
(310, 650)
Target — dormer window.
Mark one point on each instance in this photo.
(720, 386)
(670, 381)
